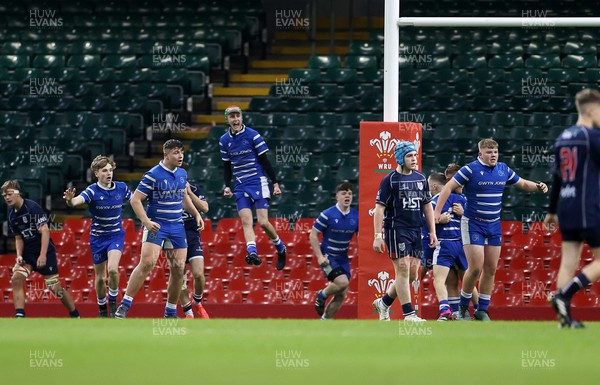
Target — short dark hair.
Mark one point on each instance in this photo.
(452, 168)
(344, 187)
(172, 144)
(438, 177)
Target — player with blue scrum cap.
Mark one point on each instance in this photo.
(402, 199)
(484, 181)
(105, 201)
(165, 188)
(244, 154)
(35, 249)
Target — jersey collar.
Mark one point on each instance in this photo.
(483, 163)
(114, 185)
(166, 168)
(337, 206)
(241, 131)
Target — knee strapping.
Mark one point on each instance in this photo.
(19, 269)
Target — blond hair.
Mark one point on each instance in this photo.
(11, 184)
(585, 97)
(100, 162)
(487, 143)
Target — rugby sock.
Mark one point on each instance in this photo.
(387, 300)
(278, 245)
(251, 248)
(475, 306)
(484, 301)
(578, 282)
(197, 298)
(322, 295)
(465, 298)
(171, 308)
(74, 314)
(187, 309)
(127, 300)
(444, 305)
(19, 313)
(454, 301)
(112, 294)
(102, 303)
(407, 309)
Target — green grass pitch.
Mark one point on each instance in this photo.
(282, 352)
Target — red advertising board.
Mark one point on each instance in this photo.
(377, 144)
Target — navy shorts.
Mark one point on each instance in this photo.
(101, 245)
(475, 232)
(252, 194)
(338, 265)
(403, 243)
(194, 249)
(590, 235)
(450, 253)
(51, 267)
(427, 255)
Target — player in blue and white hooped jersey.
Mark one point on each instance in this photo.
(574, 202)
(35, 249)
(337, 224)
(402, 199)
(165, 188)
(484, 181)
(105, 202)
(244, 155)
(449, 253)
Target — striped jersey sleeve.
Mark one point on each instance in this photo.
(321, 223)
(147, 184)
(463, 175)
(259, 144)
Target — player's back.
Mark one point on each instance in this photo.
(450, 230)
(577, 163)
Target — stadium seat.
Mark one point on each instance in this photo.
(543, 61)
(360, 62)
(305, 75)
(580, 61)
(224, 297)
(84, 61)
(14, 61)
(48, 61)
(339, 75)
(505, 61)
(563, 75)
(324, 62)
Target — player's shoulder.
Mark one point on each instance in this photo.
(121, 186)
(419, 175)
(328, 212)
(31, 204)
(250, 131)
(225, 137)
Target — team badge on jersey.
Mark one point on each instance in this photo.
(420, 185)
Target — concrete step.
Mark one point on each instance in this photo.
(278, 64)
(240, 91)
(258, 78)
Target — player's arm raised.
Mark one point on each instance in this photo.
(529, 186)
(138, 208)
(71, 199)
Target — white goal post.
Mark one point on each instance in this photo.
(393, 22)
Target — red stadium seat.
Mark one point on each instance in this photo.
(215, 261)
(508, 277)
(317, 284)
(265, 273)
(133, 237)
(8, 260)
(156, 296)
(157, 282)
(548, 277)
(245, 285)
(263, 297)
(526, 241)
(233, 273)
(528, 264)
(78, 226)
(303, 225)
(5, 282)
(280, 224)
(584, 300)
(507, 300)
(510, 228)
(213, 284)
(224, 296)
(223, 246)
(60, 238)
(351, 298)
(229, 226)
(552, 264)
(77, 296)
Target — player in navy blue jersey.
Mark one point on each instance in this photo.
(105, 201)
(338, 224)
(35, 249)
(574, 202)
(244, 154)
(484, 181)
(165, 188)
(402, 199)
(195, 254)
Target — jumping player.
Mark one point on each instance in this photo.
(338, 224)
(35, 249)
(165, 187)
(402, 198)
(484, 181)
(105, 201)
(244, 154)
(574, 202)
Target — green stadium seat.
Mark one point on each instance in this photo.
(469, 47)
(280, 119)
(85, 47)
(543, 48)
(580, 61)
(152, 90)
(525, 103)
(49, 61)
(339, 75)
(448, 132)
(544, 119)
(358, 90)
(373, 75)
(14, 61)
(17, 47)
(487, 103)
(339, 104)
(266, 104)
(361, 62)
(489, 75)
(543, 61)
(171, 75)
(505, 61)
(517, 75)
(555, 131)
(543, 174)
(306, 75)
(365, 48)
(116, 141)
(449, 103)
(591, 75)
(32, 190)
(304, 104)
(256, 119)
(563, 75)
(468, 89)
(22, 103)
(64, 75)
(504, 47)
(197, 63)
(500, 118)
(560, 104)
(320, 119)
(135, 75)
(131, 103)
(84, 61)
(98, 75)
(347, 173)
(10, 88)
(119, 61)
(469, 62)
(579, 48)
(506, 90)
(451, 75)
(324, 62)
